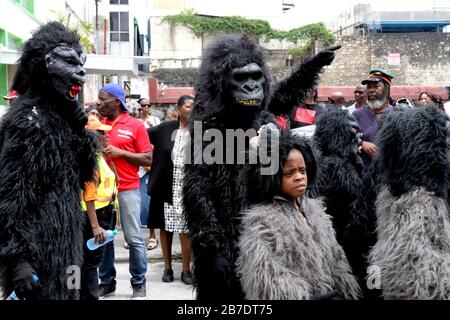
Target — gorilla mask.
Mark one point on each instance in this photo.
(247, 85)
(65, 66)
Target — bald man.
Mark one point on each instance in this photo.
(337, 99)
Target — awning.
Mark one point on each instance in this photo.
(95, 63)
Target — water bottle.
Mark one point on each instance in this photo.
(13, 295)
(109, 236)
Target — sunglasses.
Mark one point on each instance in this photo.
(145, 105)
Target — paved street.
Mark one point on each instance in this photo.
(156, 288)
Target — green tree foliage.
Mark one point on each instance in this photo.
(260, 29)
(84, 29)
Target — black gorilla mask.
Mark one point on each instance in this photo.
(247, 85)
(65, 65)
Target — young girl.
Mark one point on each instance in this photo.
(288, 248)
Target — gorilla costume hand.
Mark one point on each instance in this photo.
(326, 56)
(221, 268)
(25, 286)
(77, 118)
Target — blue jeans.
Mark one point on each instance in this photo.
(106, 269)
(145, 200)
(130, 209)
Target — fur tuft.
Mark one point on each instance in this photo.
(412, 251)
(413, 151)
(282, 259)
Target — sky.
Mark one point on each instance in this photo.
(309, 11)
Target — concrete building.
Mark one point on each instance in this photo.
(176, 47)
(117, 55)
(362, 19)
(413, 45)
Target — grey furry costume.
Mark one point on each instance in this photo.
(413, 250)
(413, 227)
(285, 256)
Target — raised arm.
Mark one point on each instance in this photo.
(291, 91)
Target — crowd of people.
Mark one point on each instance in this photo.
(367, 190)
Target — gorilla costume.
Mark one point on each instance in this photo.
(46, 156)
(412, 250)
(339, 182)
(233, 92)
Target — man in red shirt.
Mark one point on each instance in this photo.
(129, 147)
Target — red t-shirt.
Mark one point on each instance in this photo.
(128, 134)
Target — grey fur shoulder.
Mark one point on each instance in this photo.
(284, 255)
(412, 253)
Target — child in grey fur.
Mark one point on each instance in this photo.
(288, 248)
(412, 253)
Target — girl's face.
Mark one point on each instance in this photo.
(295, 180)
(103, 137)
(425, 99)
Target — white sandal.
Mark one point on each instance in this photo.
(152, 244)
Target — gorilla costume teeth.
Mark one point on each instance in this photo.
(44, 162)
(233, 69)
(413, 227)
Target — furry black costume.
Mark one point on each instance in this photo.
(340, 182)
(233, 92)
(413, 225)
(46, 156)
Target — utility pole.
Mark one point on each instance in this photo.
(97, 28)
(96, 14)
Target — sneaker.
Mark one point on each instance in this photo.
(105, 290)
(186, 278)
(139, 292)
(168, 275)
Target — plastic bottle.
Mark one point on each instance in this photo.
(109, 236)
(13, 295)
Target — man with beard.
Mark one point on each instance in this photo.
(369, 116)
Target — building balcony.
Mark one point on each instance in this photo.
(95, 63)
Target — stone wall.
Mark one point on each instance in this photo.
(424, 59)
(178, 77)
(173, 46)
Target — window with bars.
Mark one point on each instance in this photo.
(119, 26)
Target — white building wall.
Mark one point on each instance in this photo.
(11, 14)
(174, 46)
